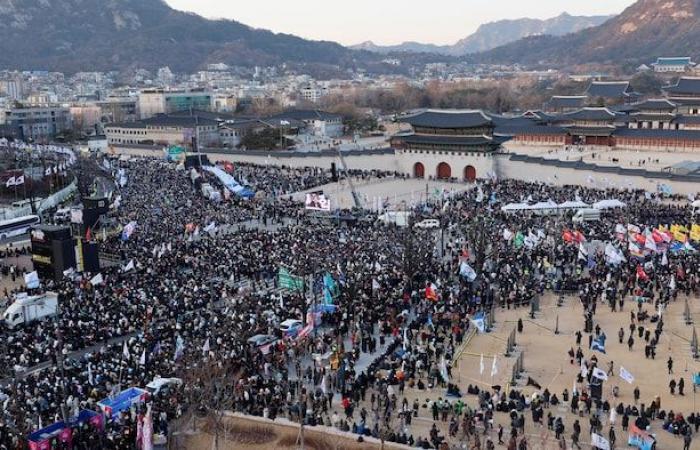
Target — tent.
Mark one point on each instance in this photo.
(609, 204)
(574, 204)
(515, 207)
(544, 205)
(122, 401)
(230, 183)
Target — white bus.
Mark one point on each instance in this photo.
(18, 226)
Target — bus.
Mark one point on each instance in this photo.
(18, 226)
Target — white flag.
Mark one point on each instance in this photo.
(584, 369)
(142, 361)
(599, 442)
(10, 182)
(443, 369)
(600, 374)
(481, 364)
(19, 180)
(494, 366)
(125, 351)
(626, 375)
(664, 260)
(129, 266)
(205, 348)
(97, 279)
(91, 380)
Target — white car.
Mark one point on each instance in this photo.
(260, 340)
(161, 384)
(291, 327)
(428, 224)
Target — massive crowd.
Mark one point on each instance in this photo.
(204, 281)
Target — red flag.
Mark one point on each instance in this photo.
(431, 292)
(640, 238)
(641, 274)
(579, 237)
(657, 236)
(88, 235)
(567, 236)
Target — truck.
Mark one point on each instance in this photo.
(587, 215)
(26, 309)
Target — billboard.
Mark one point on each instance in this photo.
(317, 201)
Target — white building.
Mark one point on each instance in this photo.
(161, 101)
(681, 64)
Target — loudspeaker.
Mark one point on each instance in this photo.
(53, 251)
(334, 172)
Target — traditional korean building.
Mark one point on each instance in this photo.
(565, 103)
(436, 134)
(686, 95)
(610, 93)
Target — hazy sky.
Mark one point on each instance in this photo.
(388, 21)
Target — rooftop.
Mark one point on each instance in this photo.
(448, 119)
(608, 89)
(685, 86)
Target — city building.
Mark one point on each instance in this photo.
(86, 117)
(13, 88)
(165, 130)
(159, 101)
(680, 64)
(119, 109)
(686, 94)
(38, 123)
(312, 94)
(318, 123)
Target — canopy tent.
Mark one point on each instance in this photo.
(544, 205)
(229, 182)
(696, 204)
(515, 207)
(609, 204)
(574, 204)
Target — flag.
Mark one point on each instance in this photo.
(479, 321)
(519, 240)
(467, 272)
(695, 232)
(635, 250)
(142, 361)
(10, 182)
(598, 344)
(19, 180)
(91, 380)
(330, 289)
(688, 248)
(664, 260)
(179, 347)
(650, 244)
(613, 255)
(567, 236)
(97, 279)
(205, 347)
(31, 279)
(47, 172)
(507, 235)
(583, 369)
(479, 195)
(431, 292)
(582, 252)
(641, 274)
(481, 364)
(443, 369)
(88, 234)
(494, 366)
(210, 228)
(286, 280)
(599, 442)
(129, 266)
(125, 351)
(128, 230)
(600, 374)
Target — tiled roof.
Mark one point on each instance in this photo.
(448, 119)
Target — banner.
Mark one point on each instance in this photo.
(640, 438)
(286, 280)
(31, 279)
(317, 201)
(599, 442)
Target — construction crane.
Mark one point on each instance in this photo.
(355, 195)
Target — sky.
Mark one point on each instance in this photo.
(388, 21)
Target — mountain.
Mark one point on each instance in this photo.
(495, 34)
(644, 31)
(86, 35)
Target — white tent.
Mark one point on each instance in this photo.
(574, 204)
(696, 204)
(544, 205)
(515, 207)
(609, 204)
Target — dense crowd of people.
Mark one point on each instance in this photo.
(199, 278)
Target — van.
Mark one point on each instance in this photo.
(587, 215)
(63, 215)
(26, 309)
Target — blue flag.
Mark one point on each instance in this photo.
(598, 344)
